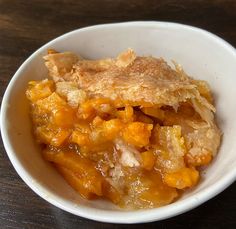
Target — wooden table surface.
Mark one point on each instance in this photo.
(27, 25)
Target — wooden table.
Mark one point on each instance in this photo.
(27, 25)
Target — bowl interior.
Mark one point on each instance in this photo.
(202, 56)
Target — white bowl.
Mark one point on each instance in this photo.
(202, 54)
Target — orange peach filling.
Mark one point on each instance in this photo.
(130, 154)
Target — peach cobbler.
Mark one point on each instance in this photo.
(131, 129)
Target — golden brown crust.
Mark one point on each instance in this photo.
(59, 64)
(143, 80)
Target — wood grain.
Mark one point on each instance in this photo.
(27, 25)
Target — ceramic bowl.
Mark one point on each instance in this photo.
(203, 55)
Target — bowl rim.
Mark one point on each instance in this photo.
(108, 216)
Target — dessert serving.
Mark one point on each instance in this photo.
(131, 129)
